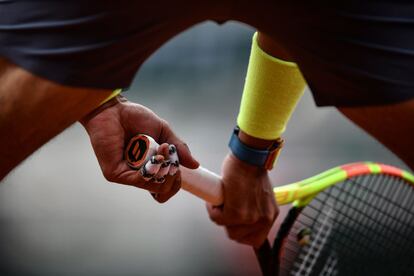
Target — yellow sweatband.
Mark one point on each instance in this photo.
(271, 91)
(114, 93)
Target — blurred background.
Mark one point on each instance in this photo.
(59, 216)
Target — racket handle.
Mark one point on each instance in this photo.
(203, 184)
(200, 182)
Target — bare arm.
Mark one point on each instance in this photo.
(249, 209)
(392, 125)
(34, 110)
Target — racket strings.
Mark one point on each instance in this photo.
(360, 209)
(383, 239)
(368, 225)
(365, 210)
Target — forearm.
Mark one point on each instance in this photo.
(269, 46)
(272, 89)
(392, 125)
(34, 110)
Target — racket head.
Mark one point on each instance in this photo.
(360, 223)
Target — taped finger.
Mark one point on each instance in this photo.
(175, 163)
(159, 180)
(152, 167)
(165, 167)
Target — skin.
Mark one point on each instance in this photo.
(122, 121)
(242, 224)
(392, 125)
(249, 210)
(33, 125)
(249, 218)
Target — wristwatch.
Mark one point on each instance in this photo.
(256, 157)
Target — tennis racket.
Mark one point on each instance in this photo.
(356, 219)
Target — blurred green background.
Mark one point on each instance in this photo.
(59, 216)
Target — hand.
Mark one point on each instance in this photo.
(111, 128)
(249, 208)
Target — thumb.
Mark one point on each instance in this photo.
(184, 153)
(185, 156)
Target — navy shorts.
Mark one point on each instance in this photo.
(352, 53)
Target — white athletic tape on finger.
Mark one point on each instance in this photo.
(175, 163)
(151, 168)
(200, 182)
(165, 167)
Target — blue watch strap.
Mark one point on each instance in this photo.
(255, 157)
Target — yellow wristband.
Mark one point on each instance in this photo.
(272, 89)
(114, 93)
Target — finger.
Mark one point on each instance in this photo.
(184, 153)
(135, 178)
(164, 169)
(166, 181)
(185, 156)
(254, 239)
(253, 235)
(176, 185)
(225, 216)
(174, 161)
(153, 186)
(165, 165)
(151, 168)
(216, 214)
(164, 150)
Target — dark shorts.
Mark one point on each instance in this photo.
(350, 54)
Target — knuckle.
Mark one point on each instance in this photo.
(269, 218)
(248, 218)
(165, 125)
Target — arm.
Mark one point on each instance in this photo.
(272, 90)
(111, 126)
(34, 110)
(392, 125)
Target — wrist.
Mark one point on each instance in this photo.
(253, 142)
(257, 152)
(107, 104)
(245, 168)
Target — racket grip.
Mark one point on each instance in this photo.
(203, 184)
(200, 182)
